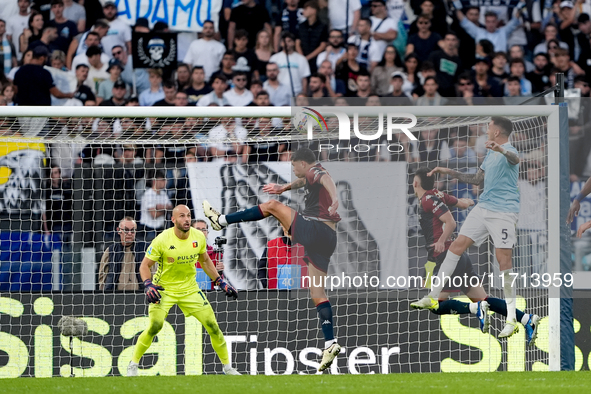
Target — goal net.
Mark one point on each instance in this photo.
(75, 182)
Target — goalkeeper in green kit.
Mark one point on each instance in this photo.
(176, 251)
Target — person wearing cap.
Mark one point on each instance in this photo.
(119, 32)
(33, 84)
(91, 39)
(497, 35)
(98, 69)
(299, 70)
(105, 88)
(206, 52)
(118, 93)
(396, 81)
(485, 85)
(80, 44)
(83, 92)
(66, 29)
(239, 96)
(155, 93)
(16, 24)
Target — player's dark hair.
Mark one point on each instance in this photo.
(169, 84)
(304, 154)
(427, 182)
(504, 124)
(159, 174)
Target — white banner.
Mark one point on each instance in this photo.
(371, 237)
(180, 15)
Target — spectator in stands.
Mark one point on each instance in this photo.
(517, 69)
(79, 45)
(244, 55)
(239, 96)
(299, 67)
(462, 155)
(256, 87)
(432, 148)
(434, 10)
(216, 256)
(221, 149)
(66, 29)
(119, 32)
(348, 70)
(48, 36)
(91, 39)
(539, 76)
(263, 51)
(484, 49)
(226, 66)
(7, 57)
(431, 96)
(34, 85)
(339, 19)
(447, 65)
(8, 94)
(279, 93)
(98, 70)
(363, 84)
(262, 99)
(550, 34)
(154, 207)
(288, 20)
(564, 65)
(119, 266)
(382, 73)
(484, 85)
(169, 99)
(516, 52)
(498, 70)
(83, 92)
(335, 51)
(497, 35)
(383, 30)
(251, 17)
(206, 52)
(114, 69)
(512, 89)
(335, 87)
(216, 96)
(31, 33)
(316, 86)
(424, 41)
(467, 48)
(366, 47)
(198, 87)
(581, 41)
(57, 219)
(75, 13)
(181, 99)
(183, 76)
(156, 92)
(312, 35)
(118, 92)
(16, 25)
(411, 69)
(397, 80)
(142, 81)
(58, 60)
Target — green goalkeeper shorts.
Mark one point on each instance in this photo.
(190, 304)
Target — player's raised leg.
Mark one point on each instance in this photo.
(274, 208)
(318, 295)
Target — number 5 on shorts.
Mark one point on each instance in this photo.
(505, 234)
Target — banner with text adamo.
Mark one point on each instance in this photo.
(180, 15)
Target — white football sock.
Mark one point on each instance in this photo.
(328, 344)
(525, 318)
(509, 294)
(473, 307)
(447, 268)
(222, 220)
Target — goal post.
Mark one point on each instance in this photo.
(272, 328)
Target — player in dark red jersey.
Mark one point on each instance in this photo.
(314, 229)
(438, 226)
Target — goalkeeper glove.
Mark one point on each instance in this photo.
(226, 287)
(151, 291)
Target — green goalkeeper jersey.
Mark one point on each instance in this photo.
(176, 260)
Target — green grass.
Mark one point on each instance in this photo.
(473, 383)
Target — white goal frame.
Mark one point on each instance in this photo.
(553, 167)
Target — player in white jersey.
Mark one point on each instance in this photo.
(495, 215)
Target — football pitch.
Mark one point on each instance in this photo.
(479, 383)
